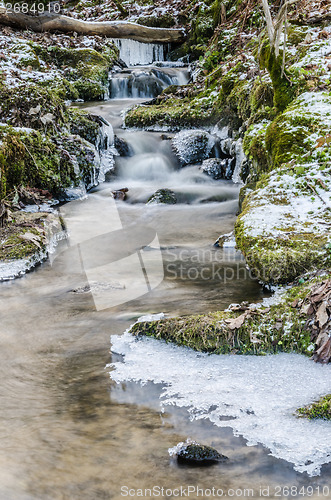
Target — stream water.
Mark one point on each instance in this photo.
(68, 429)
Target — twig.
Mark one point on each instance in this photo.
(314, 190)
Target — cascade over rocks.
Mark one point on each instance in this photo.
(193, 146)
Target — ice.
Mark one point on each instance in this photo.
(134, 53)
(261, 393)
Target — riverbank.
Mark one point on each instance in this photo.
(49, 151)
(283, 228)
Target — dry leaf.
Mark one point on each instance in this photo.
(35, 111)
(322, 315)
(321, 339)
(31, 237)
(236, 322)
(47, 118)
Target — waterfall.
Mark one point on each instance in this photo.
(135, 53)
(145, 82)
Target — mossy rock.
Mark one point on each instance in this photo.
(176, 112)
(25, 105)
(192, 453)
(30, 158)
(81, 124)
(87, 69)
(24, 236)
(27, 56)
(162, 197)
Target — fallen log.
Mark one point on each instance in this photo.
(112, 29)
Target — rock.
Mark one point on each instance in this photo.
(193, 146)
(162, 196)
(193, 453)
(119, 194)
(122, 146)
(165, 137)
(217, 168)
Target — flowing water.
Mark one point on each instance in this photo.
(68, 430)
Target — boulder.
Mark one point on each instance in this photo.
(193, 453)
(193, 146)
(217, 168)
(122, 146)
(162, 196)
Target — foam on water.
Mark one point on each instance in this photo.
(258, 394)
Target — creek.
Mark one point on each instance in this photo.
(75, 421)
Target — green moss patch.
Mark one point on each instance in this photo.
(30, 158)
(175, 112)
(86, 68)
(25, 235)
(320, 409)
(291, 324)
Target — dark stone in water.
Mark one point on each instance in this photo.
(120, 194)
(162, 196)
(122, 146)
(192, 453)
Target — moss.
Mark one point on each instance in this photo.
(26, 104)
(280, 328)
(14, 244)
(162, 21)
(204, 22)
(284, 143)
(174, 113)
(320, 409)
(81, 124)
(280, 259)
(27, 55)
(87, 69)
(283, 90)
(296, 34)
(261, 95)
(29, 158)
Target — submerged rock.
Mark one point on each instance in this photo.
(218, 169)
(162, 196)
(193, 146)
(193, 453)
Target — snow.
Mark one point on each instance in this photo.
(259, 393)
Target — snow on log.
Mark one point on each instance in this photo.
(111, 29)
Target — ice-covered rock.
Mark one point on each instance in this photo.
(193, 146)
(217, 168)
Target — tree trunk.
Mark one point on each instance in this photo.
(111, 29)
